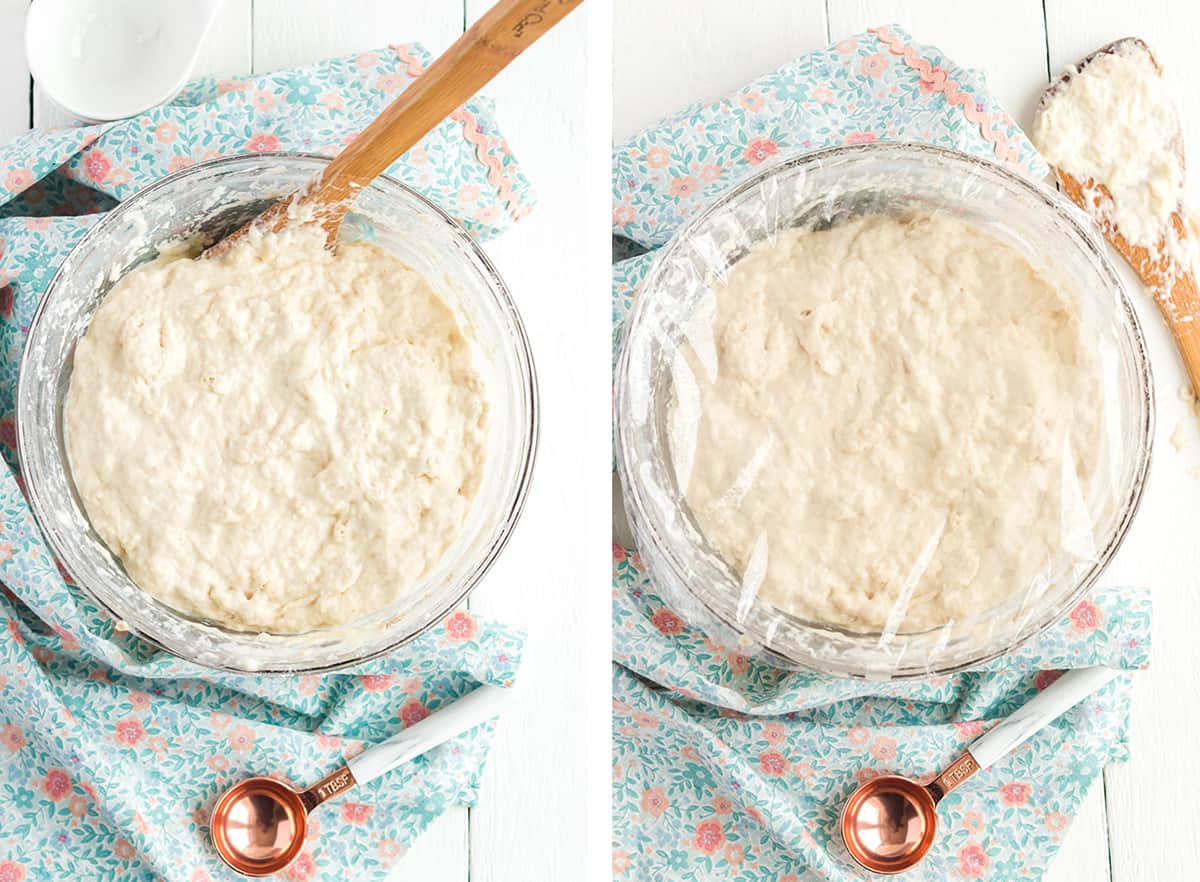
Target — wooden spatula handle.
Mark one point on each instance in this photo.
(504, 32)
(1181, 309)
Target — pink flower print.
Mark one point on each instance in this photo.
(157, 743)
(667, 622)
(130, 732)
(96, 165)
(412, 712)
(262, 100)
(862, 776)
(969, 728)
(356, 812)
(43, 655)
(874, 65)
(303, 868)
(333, 101)
(418, 156)
(78, 806)
(751, 101)
(218, 762)
(486, 214)
(376, 682)
(972, 822)
(200, 875)
(734, 855)
(391, 82)
(658, 157)
(1014, 794)
(390, 849)
(12, 738)
(5, 552)
(65, 637)
(884, 749)
(790, 877)
(468, 192)
(620, 861)
(622, 215)
(1086, 616)
(1056, 822)
(760, 150)
(123, 850)
(739, 663)
(219, 720)
(644, 720)
(722, 805)
(773, 763)
(38, 224)
(307, 685)
(139, 700)
(11, 871)
(56, 784)
(972, 861)
(367, 59)
(709, 837)
(860, 138)
(858, 736)
(710, 173)
(847, 45)
(821, 95)
(166, 132)
(755, 814)
(655, 802)
(224, 87)
(684, 186)
(262, 142)
(774, 733)
(18, 179)
(179, 163)
(328, 742)
(461, 626)
(241, 739)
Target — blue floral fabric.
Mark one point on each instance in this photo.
(112, 751)
(727, 768)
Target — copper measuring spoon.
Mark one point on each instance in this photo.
(890, 822)
(259, 825)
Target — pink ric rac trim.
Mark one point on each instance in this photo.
(938, 80)
(496, 175)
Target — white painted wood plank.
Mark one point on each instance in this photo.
(292, 32)
(14, 73)
(1084, 853)
(225, 50)
(1154, 819)
(531, 825)
(1005, 40)
(670, 53)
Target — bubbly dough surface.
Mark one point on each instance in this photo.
(281, 438)
(887, 424)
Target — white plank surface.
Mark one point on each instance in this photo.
(687, 50)
(14, 74)
(535, 779)
(1154, 820)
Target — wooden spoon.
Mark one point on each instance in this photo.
(1172, 283)
(486, 48)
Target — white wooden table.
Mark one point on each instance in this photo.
(530, 823)
(1143, 823)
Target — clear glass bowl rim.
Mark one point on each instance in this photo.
(666, 553)
(515, 505)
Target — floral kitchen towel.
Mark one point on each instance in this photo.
(726, 768)
(111, 751)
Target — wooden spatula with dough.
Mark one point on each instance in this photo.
(1165, 266)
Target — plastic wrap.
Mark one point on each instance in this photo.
(922, 588)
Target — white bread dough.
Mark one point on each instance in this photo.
(888, 424)
(281, 438)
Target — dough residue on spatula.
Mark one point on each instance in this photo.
(1112, 121)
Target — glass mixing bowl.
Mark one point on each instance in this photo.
(209, 201)
(817, 191)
